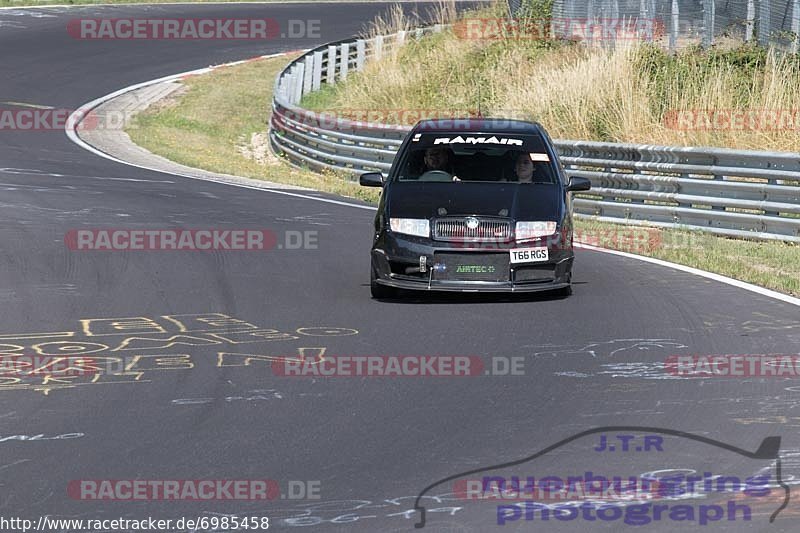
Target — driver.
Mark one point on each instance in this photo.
(438, 158)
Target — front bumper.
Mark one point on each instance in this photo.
(396, 263)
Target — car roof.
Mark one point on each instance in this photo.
(478, 125)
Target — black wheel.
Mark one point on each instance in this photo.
(380, 291)
(563, 292)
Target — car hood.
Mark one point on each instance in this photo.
(535, 201)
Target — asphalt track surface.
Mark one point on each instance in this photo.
(371, 444)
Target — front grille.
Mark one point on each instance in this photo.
(470, 267)
(456, 229)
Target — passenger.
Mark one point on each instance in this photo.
(523, 168)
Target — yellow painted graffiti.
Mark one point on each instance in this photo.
(46, 362)
(314, 355)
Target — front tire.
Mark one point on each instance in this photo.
(380, 292)
(563, 292)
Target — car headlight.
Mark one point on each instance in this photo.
(533, 230)
(411, 226)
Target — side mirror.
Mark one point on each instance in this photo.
(578, 184)
(371, 179)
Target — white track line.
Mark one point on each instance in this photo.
(75, 118)
(697, 272)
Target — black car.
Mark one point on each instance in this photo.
(474, 205)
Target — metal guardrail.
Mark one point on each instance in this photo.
(768, 22)
(735, 193)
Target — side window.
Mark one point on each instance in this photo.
(543, 172)
(415, 165)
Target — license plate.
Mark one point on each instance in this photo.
(529, 255)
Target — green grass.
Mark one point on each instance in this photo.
(220, 117)
(222, 111)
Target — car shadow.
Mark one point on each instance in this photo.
(441, 297)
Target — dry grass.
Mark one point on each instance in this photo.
(395, 19)
(630, 94)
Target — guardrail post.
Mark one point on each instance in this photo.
(796, 26)
(291, 85)
(298, 85)
(418, 34)
(283, 87)
(676, 21)
(316, 78)
(361, 54)
(378, 47)
(708, 23)
(603, 20)
(751, 21)
(331, 76)
(764, 23)
(614, 25)
(288, 89)
(308, 73)
(437, 28)
(343, 66)
(401, 38)
(290, 82)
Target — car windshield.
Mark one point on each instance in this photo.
(477, 157)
